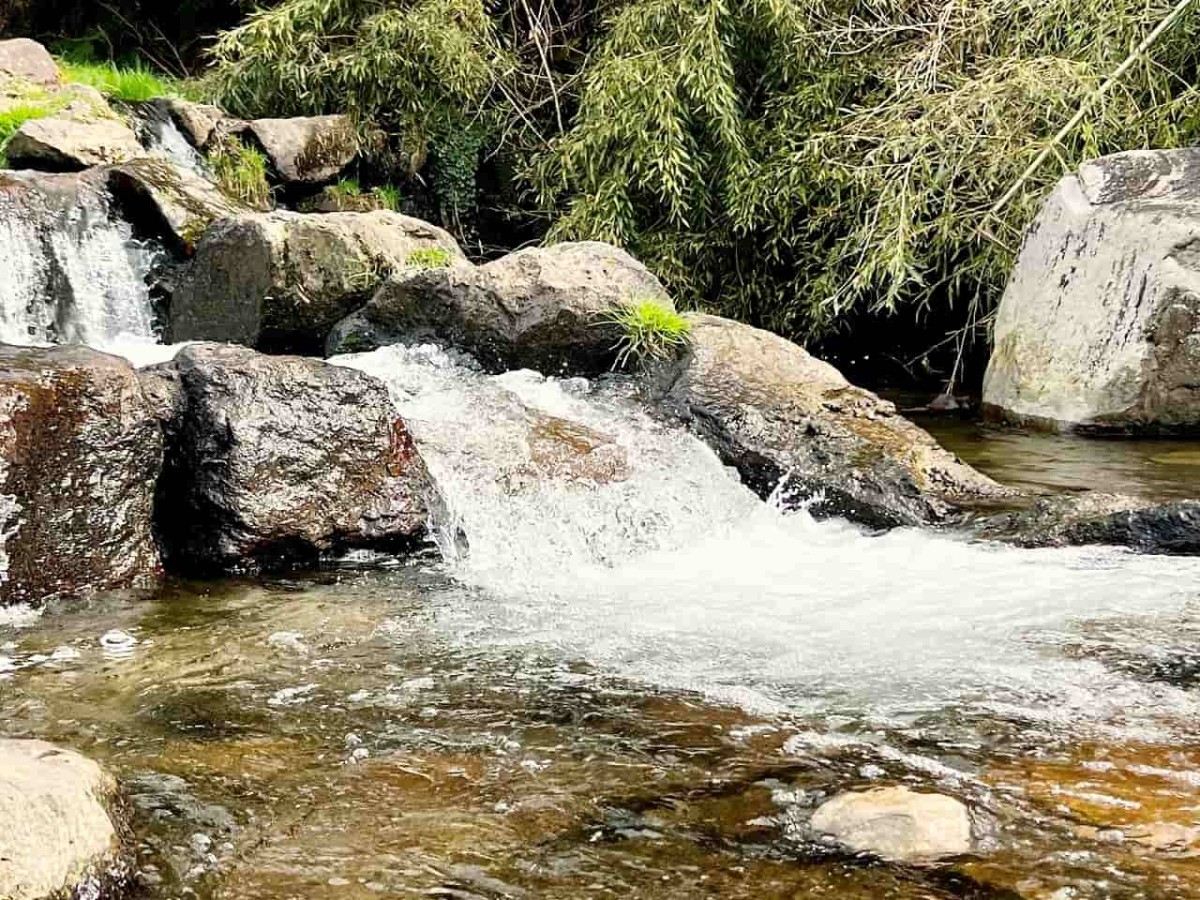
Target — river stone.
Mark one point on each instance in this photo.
(28, 61)
(539, 308)
(793, 426)
(896, 824)
(59, 837)
(274, 461)
(280, 281)
(1099, 328)
(306, 150)
(1099, 518)
(171, 202)
(79, 455)
(86, 133)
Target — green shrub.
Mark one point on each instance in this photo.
(130, 84)
(241, 173)
(429, 258)
(650, 331)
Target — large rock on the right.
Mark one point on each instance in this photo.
(794, 427)
(1099, 328)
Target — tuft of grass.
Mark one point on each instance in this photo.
(429, 258)
(13, 118)
(388, 197)
(241, 173)
(347, 187)
(650, 332)
(131, 84)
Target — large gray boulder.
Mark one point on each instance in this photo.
(1099, 328)
(274, 461)
(541, 308)
(306, 151)
(79, 455)
(62, 834)
(28, 61)
(794, 425)
(896, 824)
(85, 133)
(280, 281)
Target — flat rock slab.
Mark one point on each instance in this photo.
(79, 455)
(84, 134)
(59, 837)
(896, 824)
(28, 61)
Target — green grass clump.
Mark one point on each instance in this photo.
(241, 173)
(650, 331)
(347, 187)
(131, 84)
(388, 197)
(12, 119)
(429, 258)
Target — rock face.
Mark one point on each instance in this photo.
(539, 308)
(79, 455)
(29, 61)
(59, 836)
(896, 824)
(274, 461)
(1096, 518)
(280, 281)
(1099, 327)
(790, 422)
(86, 133)
(306, 150)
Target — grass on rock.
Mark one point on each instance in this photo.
(429, 258)
(130, 84)
(650, 331)
(241, 173)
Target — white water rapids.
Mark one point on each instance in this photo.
(677, 576)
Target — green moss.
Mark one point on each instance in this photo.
(131, 84)
(429, 258)
(650, 331)
(241, 172)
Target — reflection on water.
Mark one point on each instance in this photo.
(336, 737)
(1043, 462)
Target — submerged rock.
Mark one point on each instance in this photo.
(791, 423)
(1098, 518)
(59, 838)
(539, 308)
(28, 61)
(86, 133)
(280, 281)
(896, 824)
(276, 461)
(79, 455)
(310, 150)
(1099, 328)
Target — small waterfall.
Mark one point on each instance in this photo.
(600, 534)
(74, 273)
(160, 135)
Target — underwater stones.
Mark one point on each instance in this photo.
(29, 61)
(280, 281)
(1098, 518)
(1099, 328)
(86, 133)
(276, 461)
(79, 455)
(169, 201)
(539, 308)
(788, 421)
(896, 824)
(306, 150)
(59, 838)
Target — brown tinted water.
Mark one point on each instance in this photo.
(325, 737)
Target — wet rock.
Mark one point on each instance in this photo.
(28, 61)
(60, 838)
(170, 202)
(306, 150)
(197, 121)
(539, 308)
(276, 461)
(168, 797)
(79, 455)
(790, 422)
(896, 824)
(280, 281)
(1099, 328)
(561, 449)
(86, 133)
(1098, 518)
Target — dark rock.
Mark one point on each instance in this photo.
(280, 281)
(306, 150)
(1097, 518)
(28, 61)
(540, 308)
(792, 423)
(169, 797)
(79, 455)
(277, 461)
